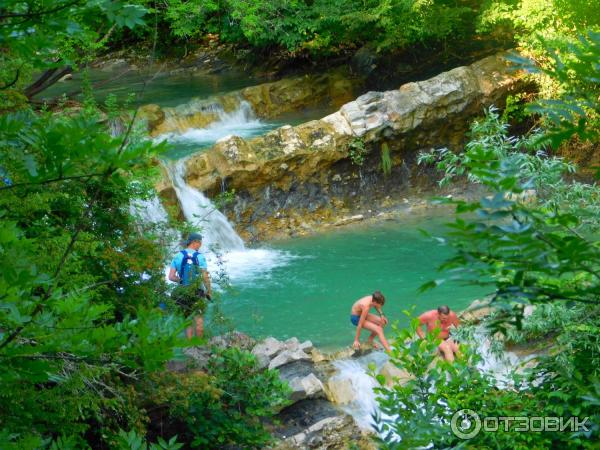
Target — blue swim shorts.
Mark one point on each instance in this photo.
(354, 319)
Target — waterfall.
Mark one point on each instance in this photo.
(241, 122)
(241, 265)
(201, 213)
(354, 372)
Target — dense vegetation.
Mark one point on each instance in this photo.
(533, 241)
(83, 344)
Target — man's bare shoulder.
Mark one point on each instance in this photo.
(428, 315)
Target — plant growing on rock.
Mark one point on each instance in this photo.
(386, 160)
(357, 151)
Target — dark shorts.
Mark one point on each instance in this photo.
(354, 319)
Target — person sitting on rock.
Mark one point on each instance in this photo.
(443, 319)
(360, 317)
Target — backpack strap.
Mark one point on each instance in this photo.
(195, 258)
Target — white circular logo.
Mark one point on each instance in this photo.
(465, 424)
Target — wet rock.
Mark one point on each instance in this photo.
(348, 220)
(394, 375)
(305, 170)
(273, 353)
(340, 392)
(306, 387)
(267, 100)
(233, 339)
(152, 114)
(198, 356)
(476, 311)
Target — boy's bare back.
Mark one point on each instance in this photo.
(361, 304)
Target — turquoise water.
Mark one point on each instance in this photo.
(310, 295)
(171, 90)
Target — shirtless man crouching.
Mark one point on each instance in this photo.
(443, 319)
(360, 318)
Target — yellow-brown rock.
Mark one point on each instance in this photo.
(266, 100)
(430, 112)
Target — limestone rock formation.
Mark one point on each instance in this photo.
(266, 100)
(429, 111)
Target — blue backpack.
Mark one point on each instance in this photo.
(185, 262)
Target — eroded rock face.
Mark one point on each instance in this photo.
(307, 168)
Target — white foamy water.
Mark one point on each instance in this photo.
(241, 122)
(500, 365)
(248, 266)
(201, 213)
(364, 402)
(364, 405)
(240, 264)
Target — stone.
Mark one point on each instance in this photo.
(394, 375)
(233, 339)
(289, 161)
(306, 387)
(340, 392)
(307, 346)
(476, 311)
(152, 114)
(349, 220)
(288, 356)
(267, 350)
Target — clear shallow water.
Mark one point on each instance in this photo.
(162, 89)
(309, 291)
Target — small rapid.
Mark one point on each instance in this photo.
(200, 212)
(241, 122)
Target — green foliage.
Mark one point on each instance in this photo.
(419, 410)
(188, 299)
(421, 407)
(357, 151)
(317, 27)
(133, 441)
(80, 278)
(386, 160)
(540, 177)
(55, 38)
(575, 72)
(223, 406)
(534, 250)
(553, 20)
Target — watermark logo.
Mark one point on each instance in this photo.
(466, 424)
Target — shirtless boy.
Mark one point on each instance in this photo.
(360, 317)
(443, 319)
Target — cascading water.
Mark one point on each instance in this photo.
(354, 372)
(241, 122)
(241, 265)
(201, 213)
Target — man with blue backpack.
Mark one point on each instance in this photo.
(189, 269)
